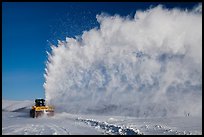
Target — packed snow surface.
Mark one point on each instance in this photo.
(16, 121)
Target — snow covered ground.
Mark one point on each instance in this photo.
(16, 120)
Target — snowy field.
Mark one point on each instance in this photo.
(16, 121)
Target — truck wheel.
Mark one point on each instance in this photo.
(32, 113)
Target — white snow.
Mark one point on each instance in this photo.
(16, 121)
(147, 65)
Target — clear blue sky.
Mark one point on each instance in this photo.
(28, 27)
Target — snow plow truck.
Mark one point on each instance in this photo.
(40, 109)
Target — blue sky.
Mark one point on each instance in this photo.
(28, 28)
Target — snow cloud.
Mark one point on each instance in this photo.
(149, 65)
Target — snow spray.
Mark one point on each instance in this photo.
(149, 65)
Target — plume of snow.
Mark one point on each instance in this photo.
(150, 65)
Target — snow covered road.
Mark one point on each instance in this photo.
(16, 121)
